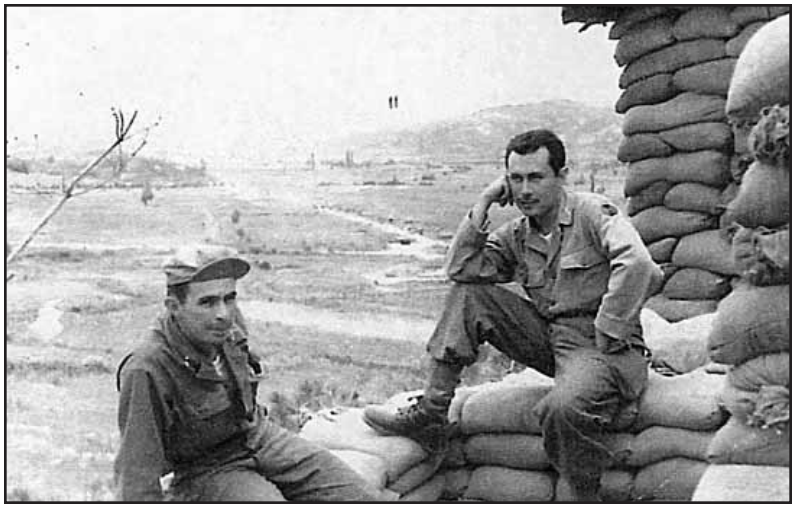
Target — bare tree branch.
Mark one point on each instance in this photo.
(122, 131)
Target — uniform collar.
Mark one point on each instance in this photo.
(565, 211)
(186, 353)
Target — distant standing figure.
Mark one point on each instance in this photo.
(146, 193)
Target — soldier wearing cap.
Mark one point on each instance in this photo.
(188, 404)
(584, 273)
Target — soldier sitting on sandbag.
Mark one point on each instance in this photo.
(188, 405)
(585, 273)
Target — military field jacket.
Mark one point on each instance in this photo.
(594, 263)
(179, 413)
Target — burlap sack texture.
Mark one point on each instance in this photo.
(682, 131)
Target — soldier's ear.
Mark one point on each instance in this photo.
(563, 172)
(171, 303)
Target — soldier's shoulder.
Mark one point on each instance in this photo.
(150, 353)
(591, 203)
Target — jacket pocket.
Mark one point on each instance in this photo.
(581, 259)
(206, 404)
(582, 279)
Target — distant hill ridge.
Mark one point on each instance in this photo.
(591, 133)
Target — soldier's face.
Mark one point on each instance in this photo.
(208, 312)
(534, 185)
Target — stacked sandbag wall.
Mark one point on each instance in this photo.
(497, 454)
(752, 329)
(681, 151)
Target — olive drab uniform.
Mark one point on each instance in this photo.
(180, 413)
(578, 319)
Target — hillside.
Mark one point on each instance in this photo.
(591, 133)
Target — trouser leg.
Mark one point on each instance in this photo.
(305, 471)
(237, 482)
(590, 390)
(478, 313)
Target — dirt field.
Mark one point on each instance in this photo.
(330, 248)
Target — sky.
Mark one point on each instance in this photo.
(254, 83)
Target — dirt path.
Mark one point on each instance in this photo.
(357, 324)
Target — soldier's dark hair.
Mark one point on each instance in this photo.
(531, 141)
(178, 291)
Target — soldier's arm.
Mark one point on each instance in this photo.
(141, 459)
(478, 256)
(475, 255)
(633, 272)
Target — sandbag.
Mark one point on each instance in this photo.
(649, 196)
(661, 251)
(696, 284)
(752, 321)
(629, 18)
(705, 23)
(504, 485)
(669, 480)
(699, 136)
(429, 492)
(762, 74)
(762, 256)
(735, 45)
(456, 481)
(658, 443)
(643, 38)
(684, 109)
(733, 483)
(708, 250)
(668, 270)
(763, 198)
(776, 11)
(773, 369)
(738, 443)
(343, 429)
(745, 14)
(659, 222)
(642, 146)
(371, 468)
(709, 78)
(678, 310)
(694, 197)
(683, 345)
(689, 401)
(416, 475)
(708, 167)
(517, 451)
(651, 90)
(672, 58)
(503, 409)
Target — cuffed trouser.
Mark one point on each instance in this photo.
(285, 467)
(592, 391)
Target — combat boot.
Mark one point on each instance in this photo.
(429, 427)
(426, 420)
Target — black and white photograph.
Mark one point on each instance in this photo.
(398, 253)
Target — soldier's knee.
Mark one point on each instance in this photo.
(564, 407)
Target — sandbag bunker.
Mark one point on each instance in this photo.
(706, 104)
